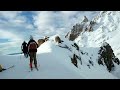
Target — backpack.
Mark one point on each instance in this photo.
(32, 45)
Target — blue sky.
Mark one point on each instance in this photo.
(4, 40)
(17, 26)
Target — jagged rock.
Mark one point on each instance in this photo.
(46, 38)
(74, 60)
(91, 62)
(78, 28)
(81, 52)
(89, 28)
(72, 37)
(75, 31)
(116, 60)
(107, 56)
(85, 19)
(58, 40)
(41, 41)
(66, 47)
(92, 23)
(76, 46)
(67, 35)
(88, 66)
(78, 57)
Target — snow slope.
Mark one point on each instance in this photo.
(55, 63)
(51, 67)
(107, 30)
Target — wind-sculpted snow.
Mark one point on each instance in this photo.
(55, 63)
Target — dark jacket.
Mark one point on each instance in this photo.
(24, 47)
(32, 50)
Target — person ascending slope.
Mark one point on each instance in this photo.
(32, 50)
(24, 49)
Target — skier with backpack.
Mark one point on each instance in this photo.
(32, 50)
(24, 49)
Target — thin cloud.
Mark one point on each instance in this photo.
(49, 22)
(13, 41)
(14, 28)
(17, 25)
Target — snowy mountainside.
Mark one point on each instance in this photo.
(55, 63)
(87, 58)
(106, 29)
(50, 68)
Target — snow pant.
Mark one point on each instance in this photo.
(33, 58)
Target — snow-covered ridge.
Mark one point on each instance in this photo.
(55, 63)
(106, 29)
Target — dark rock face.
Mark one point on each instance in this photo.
(74, 60)
(76, 46)
(78, 28)
(85, 19)
(73, 36)
(57, 39)
(107, 57)
(75, 31)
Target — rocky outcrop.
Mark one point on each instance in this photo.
(41, 41)
(107, 57)
(85, 25)
(85, 19)
(74, 60)
(76, 46)
(75, 31)
(57, 39)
